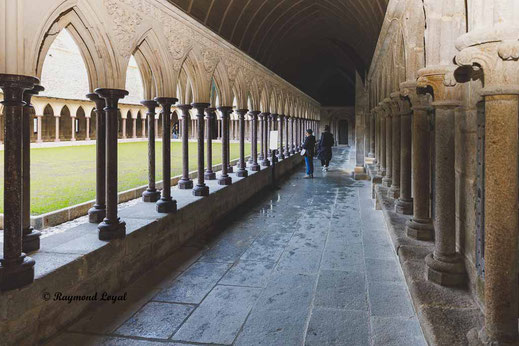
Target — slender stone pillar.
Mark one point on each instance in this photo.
(261, 136)
(287, 135)
(124, 128)
(87, 138)
(242, 165)
(210, 116)
(56, 137)
(378, 138)
(404, 204)
(372, 130)
(359, 171)
(271, 120)
(73, 134)
(254, 144)
(492, 47)
(39, 139)
(157, 134)
(420, 226)
(200, 189)
(144, 128)
(292, 135)
(444, 266)
(134, 127)
(281, 146)
(264, 143)
(31, 238)
(394, 190)
(112, 227)
(230, 169)
(166, 204)
(151, 194)
(16, 269)
(97, 213)
(382, 116)
(388, 179)
(225, 179)
(185, 182)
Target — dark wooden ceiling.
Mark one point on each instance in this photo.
(315, 44)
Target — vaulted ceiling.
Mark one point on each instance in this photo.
(317, 45)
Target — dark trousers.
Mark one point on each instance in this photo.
(325, 163)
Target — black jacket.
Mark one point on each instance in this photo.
(309, 145)
(325, 146)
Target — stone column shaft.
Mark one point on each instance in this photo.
(201, 189)
(87, 138)
(56, 137)
(388, 179)
(264, 124)
(112, 227)
(224, 178)
(151, 194)
(210, 115)
(185, 182)
(404, 204)
(97, 213)
(394, 191)
(242, 165)
(39, 139)
(281, 153)
(254, 142)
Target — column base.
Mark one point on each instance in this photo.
(151, 196)
(287, 154)
(96, 214)
(31, 240)
(72, 139)
(404, 207)
(39, 141)
(265, 163)
(166, 205)
(225, 180)
(57, 140)
(16, 275)
(446, 272)
(112, 230)
(386, 182)
(242, 173)
(420, 229)
(255, 167)
(87, 138)
(230, 169)
(479, 337)
(281, 156)
(292, 152)
(377, 179)
(209, 175)
(185, 184)
(394, 192)
(201, 191)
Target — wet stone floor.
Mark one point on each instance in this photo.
(309, 264)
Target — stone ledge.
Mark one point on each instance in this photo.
(446, 314)
(76, 262)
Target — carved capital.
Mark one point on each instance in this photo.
(441, 83)
(500, 65)
(385, 107)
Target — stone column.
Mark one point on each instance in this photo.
(420, 226)
(394, 190)
(372, 130)
(209, 116)
(264, 148)
(97, 213)
(156, 127)
(56, 138)
(73, 120)
(292, 136)
(494, 49)
(185, 182)
(404, 204)
(87, 137)
(225, 179)
(151, 194)
(382, 116)
(201, 189)
(31, 238)
(124, 128)
(16, 269)
(254, 144)
(378, 139)
(111, 227)
(367, 138)
(388, 179)
(134, 129)
(242, 165)
(230, 169)
(39, 139)
(281, 149)
(445, 266)
(271, 120)
(261, 136)
(359, 171)
(166, 204)
(287, 135)
(144, 128)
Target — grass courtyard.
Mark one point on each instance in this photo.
(65, 176)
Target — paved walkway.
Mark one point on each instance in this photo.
(309, 264)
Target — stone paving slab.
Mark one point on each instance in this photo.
(309, 264)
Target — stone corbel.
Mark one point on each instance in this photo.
(442, 82)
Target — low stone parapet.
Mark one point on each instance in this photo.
(76, 263)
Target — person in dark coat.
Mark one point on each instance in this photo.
(325, 148)
(309, 148)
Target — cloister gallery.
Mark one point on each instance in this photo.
(409, 237)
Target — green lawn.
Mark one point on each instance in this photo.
(65, 176)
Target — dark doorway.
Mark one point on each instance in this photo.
(343, 132)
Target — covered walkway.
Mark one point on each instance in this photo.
(311, 263)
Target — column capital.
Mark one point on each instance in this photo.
(263, 114)
(385, 108)
(200, 106)
(112, 96)
(498, 60)
(150, 105)
(225, 110)
(441, 83)
(254, 113)
(395, 103)
(242, 112)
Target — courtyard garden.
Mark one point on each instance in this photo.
(65, 176)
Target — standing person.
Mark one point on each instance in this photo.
(325, 148)
(309, 150)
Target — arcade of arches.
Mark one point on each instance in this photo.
(422, 93)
